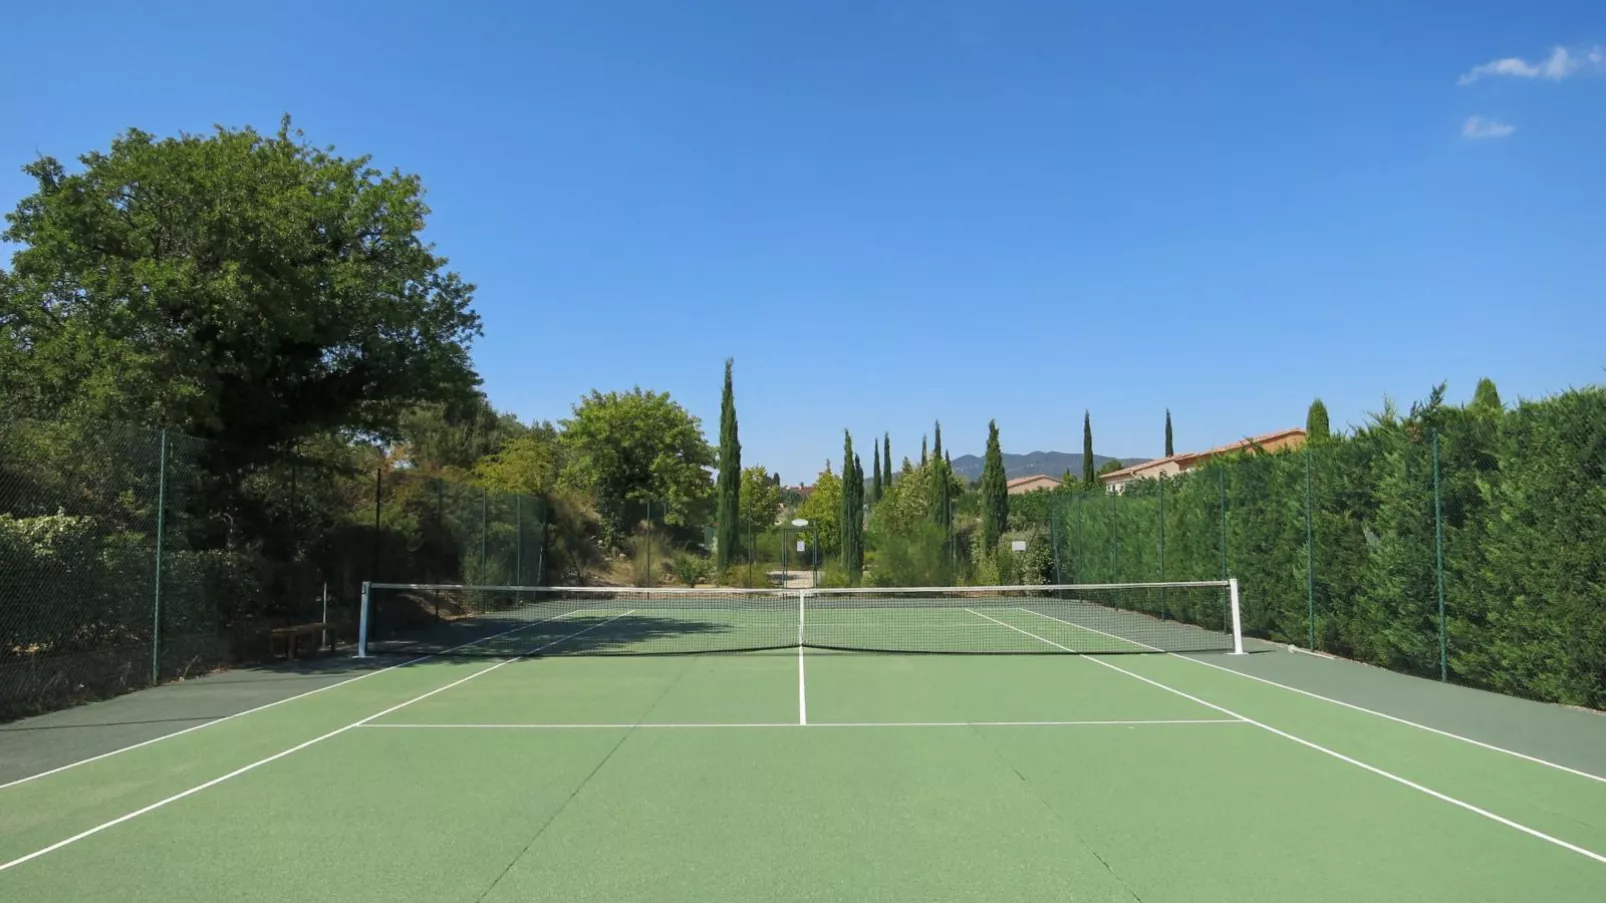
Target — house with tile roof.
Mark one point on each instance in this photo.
(1180, 463)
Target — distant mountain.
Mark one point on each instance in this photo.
(1052, 463)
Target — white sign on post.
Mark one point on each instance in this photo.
(800, 545)
(1017, 545)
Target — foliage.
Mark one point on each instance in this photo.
(994, 491)
(1033, 567)
(439, 436)
(529, 463)
(246, 289)
(1170, 446)
(875, 474)
(760, 501)
(631, 449)
(916, 555)
(852, 521)
(727, 520)
(823, 510)
(886, 462)
(1088, 478)
(1110, 466)
(1316, 425)
(1523, 520)
(691, 569)
(1486, 398)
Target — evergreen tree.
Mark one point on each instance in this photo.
(886, 460)
(1486, 399)
(728, 507)
(936, 444)
(1170, 447)
(876, 488)
(1089, 480)
(922, 451)
(852, 510)
(1316, 427)
(994, 492)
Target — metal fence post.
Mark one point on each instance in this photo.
(518, 540)
(1221, 484)
(1438, 549)
(156, 583)
(1310, 557)
(1161, 545)
(379, 501)
(484, 531)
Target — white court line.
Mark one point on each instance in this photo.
(802, 692)
(281, 754)
(812, 725)
(143, 743)
(1348, 705)
(1407, 782)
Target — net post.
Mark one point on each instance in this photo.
(362, 621)
(1237, 621)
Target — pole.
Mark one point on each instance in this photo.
(784, 579)
(1162, 548)
(1114, 537)
(485, 522)
(1310, 557)
(1053, 542)
(814, 556)
(156, 584)
(649, 542)
(518, 540)
(1237, 620)
(379, 496)
(1076, 542)
(1221, 482)
(1438, 548)
(362, 622)
(325, 619)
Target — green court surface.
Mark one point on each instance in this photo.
(809, 775)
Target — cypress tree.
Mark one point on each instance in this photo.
(1170, 447)
(994, 492)
(876, 488)
(728, 510)
(1486, 399)
(1089, 479)
(886, 460)
(852, 510)
(1316, 427)
(922, 451)
(936, 445)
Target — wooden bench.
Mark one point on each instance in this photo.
(293, 633)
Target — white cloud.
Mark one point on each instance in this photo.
(1560, 64)
(1477, 127)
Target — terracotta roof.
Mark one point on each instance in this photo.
(1185, 457)
(1018, 481)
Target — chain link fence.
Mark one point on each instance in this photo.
(127, 559)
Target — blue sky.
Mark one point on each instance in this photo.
(892, 211)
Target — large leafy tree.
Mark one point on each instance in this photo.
(455, 435)
(632, 449)
(760, 501)
(244, 288)
(730, 477)
(994, 491)
(823, 510)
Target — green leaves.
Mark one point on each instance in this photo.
(631, 448)
(244, 288)
(994, 491)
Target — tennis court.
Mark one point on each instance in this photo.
(532, 751)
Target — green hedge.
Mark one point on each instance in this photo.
(1521, 505)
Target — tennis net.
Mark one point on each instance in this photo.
(438, 619)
